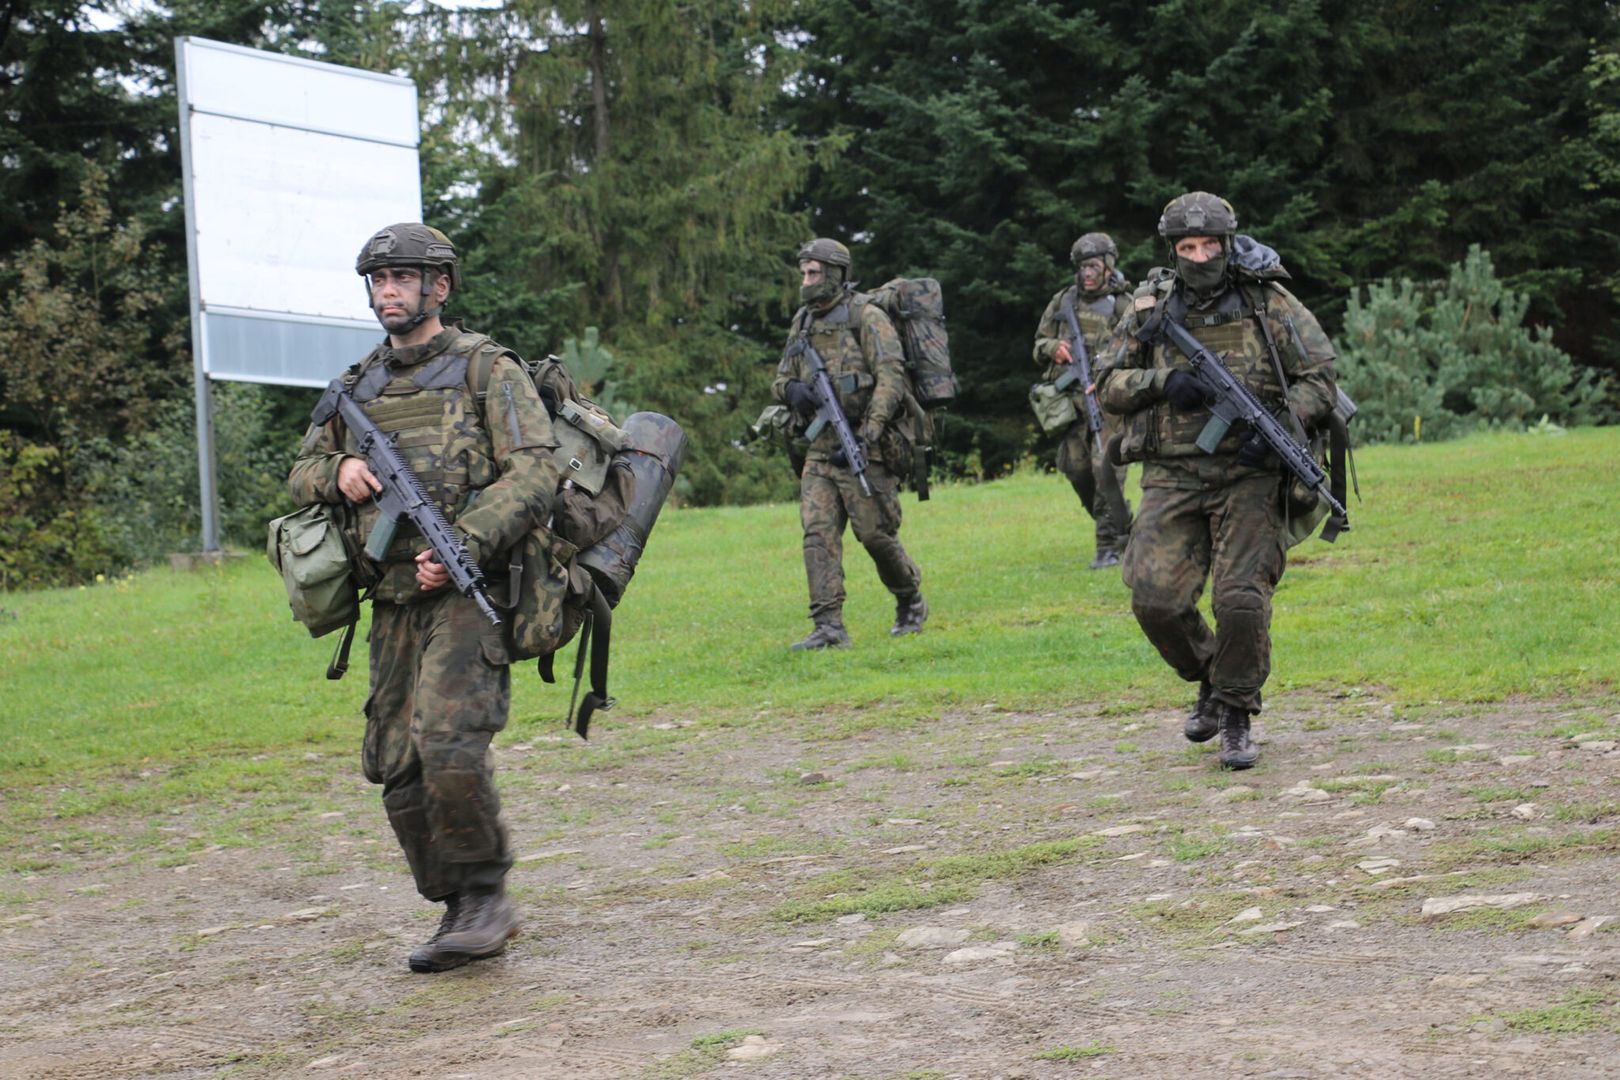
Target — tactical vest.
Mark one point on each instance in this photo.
(1232, 332)
(836, 336)
(1096, 318)
(433, 415)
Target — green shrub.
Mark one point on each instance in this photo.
(1437, 361)
(152, 478)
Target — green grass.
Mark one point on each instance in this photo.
(705, 1053)
(929, 883)
(168, 687)
(1074, 1053)
(1580, 1012)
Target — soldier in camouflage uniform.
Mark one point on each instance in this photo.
(1099, 297)
(439, 680)
(864, 359)
(1221, 516)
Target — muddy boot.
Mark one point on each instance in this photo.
(825, 636)
(487, 922)
(1204, 722)
(1237, 749)
(909, 614)
(429, 956)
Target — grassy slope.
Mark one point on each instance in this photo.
(1475, 570)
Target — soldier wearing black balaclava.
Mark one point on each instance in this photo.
(1218, 517)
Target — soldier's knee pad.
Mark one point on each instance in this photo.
(1239, 601)
(453, 751)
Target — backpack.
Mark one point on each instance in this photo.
(916, 306)
(1330, 442)
(567, 575)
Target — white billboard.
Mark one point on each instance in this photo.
(290, 164)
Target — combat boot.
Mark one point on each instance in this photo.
(486, 923)
(1106, 557)
(1204, 722)
(1237, 748)
(429, 956)
(828, 635)
(909, 614)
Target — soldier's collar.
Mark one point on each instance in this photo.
(412, 355)
(838, 315)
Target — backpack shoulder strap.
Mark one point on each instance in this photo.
(482, 352)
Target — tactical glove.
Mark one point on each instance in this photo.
(840, 459)
(800, 398)
(1254, 453)
(1185, 392)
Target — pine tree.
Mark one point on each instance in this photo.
(1436, 361)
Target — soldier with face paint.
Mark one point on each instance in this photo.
(866, 365)
(475, 433)
(1221, 516)
(1098, 299)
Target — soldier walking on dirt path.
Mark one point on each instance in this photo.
(1097, 300)
(440, 688)
(1221, 516)
(865, 364)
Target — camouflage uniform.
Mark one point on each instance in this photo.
(1081, 458)
(1208, 516)
(439, 681)
(861, 349)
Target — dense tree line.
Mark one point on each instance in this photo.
(647, 168)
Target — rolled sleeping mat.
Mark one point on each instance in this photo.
(655, 450)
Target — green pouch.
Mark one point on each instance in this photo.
(1054, 408)
(539, 581)
(307, 549)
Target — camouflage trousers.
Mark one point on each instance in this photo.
(1232, 536)
(1099, 483)
(829, 496)
(440, 690)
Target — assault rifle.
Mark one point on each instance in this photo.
(402, 497)
(1078, 369)
(830, 412)
(1233, 403)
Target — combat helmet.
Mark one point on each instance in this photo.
(410, 243)
(1094, 245)
(827, 253)
(1197, 213)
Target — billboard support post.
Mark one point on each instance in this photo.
(207, 488)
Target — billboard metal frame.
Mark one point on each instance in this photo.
(277, 323)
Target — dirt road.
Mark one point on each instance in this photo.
(883, 895)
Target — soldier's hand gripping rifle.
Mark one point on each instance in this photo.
(829, 411)
(1233, 403)
(1078, 370)
(402, 497)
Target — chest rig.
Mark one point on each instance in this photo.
(429, 412)
(835, 334)
(1235, 330)
(1096, 319)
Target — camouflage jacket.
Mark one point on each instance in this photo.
(864, 358)
(484, 455)
(1098, 320)
(1130, 382)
